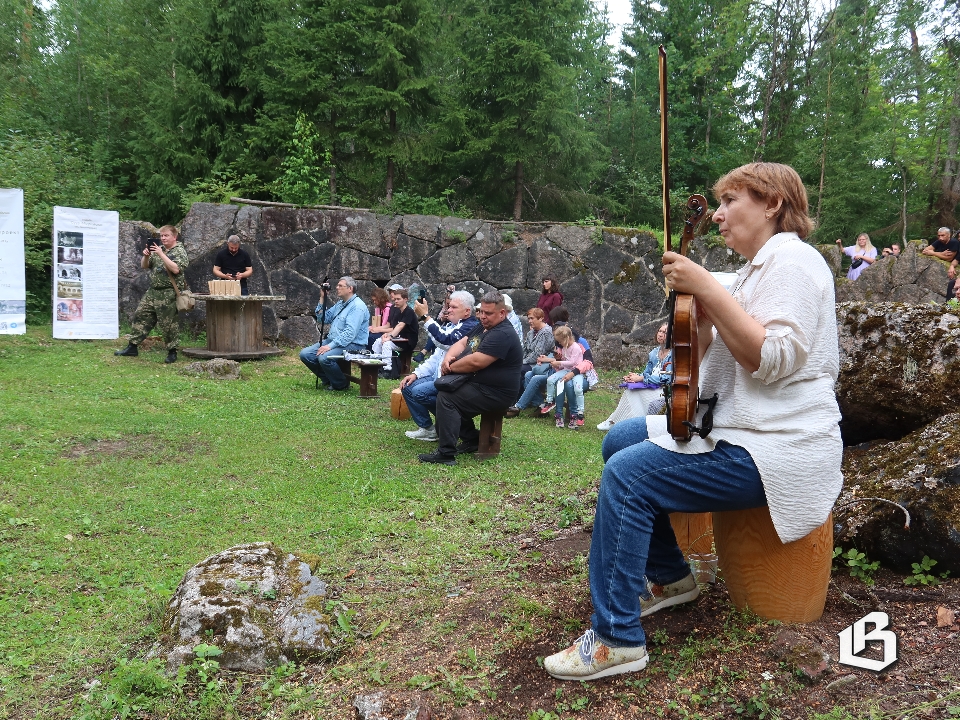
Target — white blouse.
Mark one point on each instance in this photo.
(785, 414)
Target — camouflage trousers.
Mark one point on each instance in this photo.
(158, 307)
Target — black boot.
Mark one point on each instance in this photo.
(129, 351)
(171, 357)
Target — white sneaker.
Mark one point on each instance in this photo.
(605, 425)
(590, 659)
(425, 434)
(664, 596)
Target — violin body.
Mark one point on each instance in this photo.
(683, 391)
(682, 394)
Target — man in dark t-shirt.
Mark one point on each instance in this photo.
(233, 263)
(403, 334)
(491, 355)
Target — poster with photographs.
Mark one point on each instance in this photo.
(13, 278)
(85, 266)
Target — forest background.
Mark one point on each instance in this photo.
(487, 108)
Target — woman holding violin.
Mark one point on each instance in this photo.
(768, 348)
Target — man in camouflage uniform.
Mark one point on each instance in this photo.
(159, 304)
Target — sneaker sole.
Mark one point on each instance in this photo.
(629, 667)
(688, 596)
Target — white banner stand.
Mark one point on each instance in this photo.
(85, 267)
(13, 277)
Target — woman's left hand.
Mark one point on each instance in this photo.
(683, 274)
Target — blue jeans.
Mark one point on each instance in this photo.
(632, 537)
(573, 394)
(325, 367)
(421, 399)
(534, 383)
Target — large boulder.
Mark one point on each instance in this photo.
(452, 264)
(899, 366)
(507, 268)
(921, 472)
(911, 278)
(207, 226)
(261, 607)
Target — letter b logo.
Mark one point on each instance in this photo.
(854, 639)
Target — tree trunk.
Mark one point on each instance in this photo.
(950, 181)
(518, 191)
(390, 169)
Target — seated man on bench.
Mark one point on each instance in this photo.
(487, 362)
(418, 389)
(348, 322)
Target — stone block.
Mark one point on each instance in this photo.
(605, 261)
(484, 242)
(581, 296)
(130, 291)
(523, 300)
(215, 369)
(302, 294)
(424, 227)
(299, 331)
(315, 263)
(508, 268)
(358, 230)
(573, 239)
(616, 319)
(277, 252)
(247, 226)
(134, 237)
(409, 253)
(359, 265)
(279, 222)
(206, 226)
(544, 258)
(455, 230)
(637, 289)
(449, 265)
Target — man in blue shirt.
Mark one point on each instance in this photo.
(348, 321)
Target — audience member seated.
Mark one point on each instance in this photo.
(418, 388)
(550, 297)
(863, 252)
(380, 317)
(578, 380)
(347, 323)
(512, 317)
(429, 346)
(640, 401)
(539, 340)
(404, 332)
(489, 361)
(571, 354)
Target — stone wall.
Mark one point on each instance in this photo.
(613, 288)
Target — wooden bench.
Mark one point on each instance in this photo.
(785, 582)
(491, 430)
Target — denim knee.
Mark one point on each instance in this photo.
(624, 434)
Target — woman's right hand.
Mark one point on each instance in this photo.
(633, 377)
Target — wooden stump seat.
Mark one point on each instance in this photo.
(398, 406)
(491, 429)
(786, 582)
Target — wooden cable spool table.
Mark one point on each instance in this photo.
(234, 328)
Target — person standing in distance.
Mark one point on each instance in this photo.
(233, 263)
(166, 262)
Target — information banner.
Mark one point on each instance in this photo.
(13, 278)
(85, 267)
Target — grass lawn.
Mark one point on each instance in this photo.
(119, 474)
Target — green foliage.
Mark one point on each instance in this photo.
(922, 575)
(860, 567)
(52, 170)
(571, 511)
(408, 203)
(302, 180)
(219, 187)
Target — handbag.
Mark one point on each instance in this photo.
(185, 300)
(452, 381)
(856, 263)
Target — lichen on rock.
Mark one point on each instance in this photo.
(260, 606)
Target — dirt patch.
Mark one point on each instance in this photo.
(133, 446)
(708, 659)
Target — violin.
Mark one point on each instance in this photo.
(682, 393)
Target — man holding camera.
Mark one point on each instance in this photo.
(418, 388)
(166, 262)
(490, 357)
(348, 321)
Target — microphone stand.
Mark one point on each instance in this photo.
(323, 313)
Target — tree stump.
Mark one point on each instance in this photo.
(398, 406)
(786, 582)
